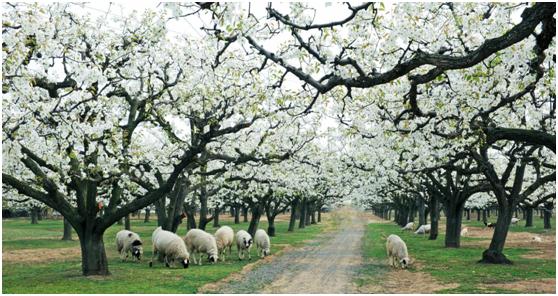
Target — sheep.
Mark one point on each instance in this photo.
(397, 251)
(410, 226)
(423, 229)
(515, 220)
(224, 237)
(464, 231)
(261, 239)
(537, 239)
(243, 243)
(199, 241)
(171, 246)
(129, 242)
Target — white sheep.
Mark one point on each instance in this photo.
(263, 245)
(243, 244)
(397, 251)
(423, 229)
(198, 242)
(224, 236)
(410, 226)
(171, 246)
(537, 239)
(464, 231)
(129, 242)
(515, 220)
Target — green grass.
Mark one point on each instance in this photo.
(64, 276)
(538, 225)
(452, 265)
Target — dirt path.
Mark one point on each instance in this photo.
(327, 265)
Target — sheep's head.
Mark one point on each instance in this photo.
(405, 262)
(267, 252)
(247, 243)
(137, 249)
(212, 258)
(185, 263)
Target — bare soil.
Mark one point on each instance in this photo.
(545, 286)
(327, 265)
(40, 255)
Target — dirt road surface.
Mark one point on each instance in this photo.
(327, 265)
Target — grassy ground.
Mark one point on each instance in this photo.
(63, 275)
(454, 265)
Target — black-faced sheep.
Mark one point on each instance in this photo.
(129, 242)
(243, 244)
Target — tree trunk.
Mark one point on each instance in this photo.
(494, 253)
(529, 217)
(468, 214)
(421, 212)
(484, 216)
(245, 214)
(67, 231)
(308, 213)
(313, 216)
(237, 215)
(147, 212)
(254, 220)
(320, 215)
(216, 217)
(434, 217)
(478, 214)
(127, 222)
(40, 214)
(34, 216)
(548, 215)
(302, 219)
(292, 220)
(93, 256)
(271, 226)
(454, 212)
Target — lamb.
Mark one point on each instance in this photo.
(243, 244)
(514, 220)
(410, 226)
(171, 246)
(397, 251)
(423, 229)
(464, 231)
(262, 243)
(199, 241)
(224, 237)
(129, 242)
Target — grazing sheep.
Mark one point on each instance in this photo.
(464, 231)
(537, 239)
(423, 229)
(224, 237)
(129, 242)
(410, 226)
(199, 241)
(397, 251)
(515, 220)
(243, 244)
(263, 245)
(489, 225)
(170, 245)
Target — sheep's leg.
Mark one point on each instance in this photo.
(249, 256)
(200, 256)
(122, 254)
(152, 256)
(194, 257)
